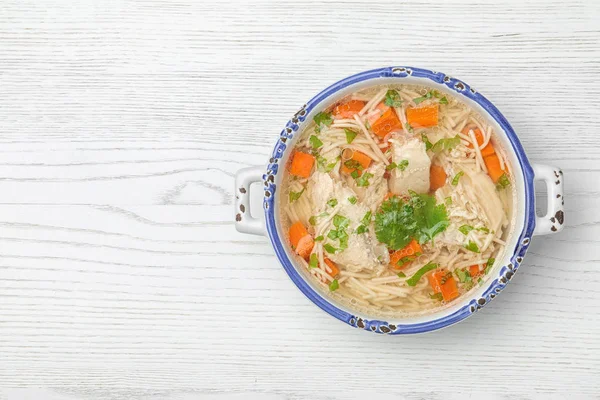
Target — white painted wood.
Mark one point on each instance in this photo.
(122, 124)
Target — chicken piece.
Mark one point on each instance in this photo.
(415, 176)
(320, 189)
(484, 190)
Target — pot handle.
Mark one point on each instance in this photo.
(244, 221)
(553, 221)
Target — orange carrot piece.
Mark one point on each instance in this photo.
(297, 232)
(302, 164)
(411, 250)
(348, 109)
(388, 196)
(488, 150)
(493, 166)
(305, 246)
(474, 271)
(387, 123)
(442, 281)
(422, 117)
(357, 157)
(437, 177)
(334, 269)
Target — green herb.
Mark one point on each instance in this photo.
(480, 281)
(334, 285)
(408, 127)
(343, 238)
(332, 203)
(392, 99)
(352, 200)
(314, 261)
(436, 296)
(333, 234)
(361, 229)
(363, 180)
(401, 274)
(448, 200)
(463, 275)
(446, 144)
(354, 174)
(413, 280)
(315, 142)
(421, 99)
(350, 135)
(312, 220)
(465, 229)
(367, 125)
(398, 221)
(366, 219)
(296, 195)
(489, 264)
(353, 164)
(472, 246)
(503, 182)
(425, 139)
(408, 259)
(444, 100)
(340, 221)
(392, 166)
(322, 118)
(329, 248)
(456, 178)
(403, 164)
(429, 95)
(483, 229)
(324, 165)
(319, 238)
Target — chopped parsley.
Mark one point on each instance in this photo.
(408, 127)
(489, 264)
(465, 229)
(429, 95)
(333, 234)
(425, 139)
(448, 200)
(436, 296)
(361, 229)
(472, 246)
(352, 200)
(392, 99)
(401, 274)
(366, 219)
(401, 165)
(334, 285)
(296, 195)
(445, 144)
(312, 220)
(363, 180)
(413, 280)
(325, 165)
(444, 100)
(340, 221)
(329, 248)
(332, 203)
(408, 259)
(314, 261)
(463, 275)
(319, 238)
(350, 135)
(353, 164)
(367, 125)
(503, 182)
(483, 229)
(456, 178)
(322, 118)
(315, 142)
(355, 174)
(398, 221)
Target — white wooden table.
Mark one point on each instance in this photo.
(121, 127)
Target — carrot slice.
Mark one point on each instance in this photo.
(492, 163)
(488, 150)
(357, 159)
(348, 109)
(422, 117)
(334, 269)
(297, 232)
(441, 281)
(437, 177)
(305, 246)
(405, 255)
(302, 164)
(474, 271)
(387, 123)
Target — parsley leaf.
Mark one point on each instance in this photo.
(340, 221)
(393, 99)
(314, 261)
(401, 274)
(353, 164)
(462, 275)
(444, 100)
(445, 144)
(428, 144)
(332, 203)
(354, 174)
(315, 142)
(408, 127)
(398, 221)
(333, 234)
(350, 135)
(334, 285)
(465, 229)
(361, 229)
(322, 118)
(472, 246)
(456, 178)
(448, 200)
(329, 248)
(489, 264)
(312, 220)
(403, 164)
(363, 180)
(324, 165)
(319, 238)
(437, 296)
(421, 99)
(391, 166)
(413, 280)
(503, 182)
(296, 195)
(366, 219)
(352, 200)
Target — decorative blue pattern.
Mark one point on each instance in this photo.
(506, 272)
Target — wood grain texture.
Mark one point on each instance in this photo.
(122, 125)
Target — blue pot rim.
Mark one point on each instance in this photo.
(495, 286)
